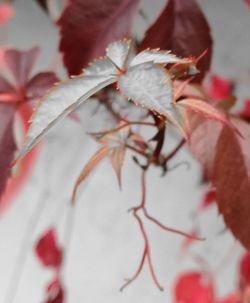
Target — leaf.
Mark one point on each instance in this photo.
(101, 67)
(117, 159)
(245, 270)
(20, 63)
(183, 29)
(202, 143)
(118, 52)
(208, 199)
(22, 172)
(232, 180)
(220, 88)
(7, 143)
(62, 100)
(193, 287)
(247, 2)
(39, 84)
(95, 24)
(157, 56)
(92, 163)
(55, 292)
(205, 109)
(148, 85)
(48, 250)
(232, 298)
(6, 12)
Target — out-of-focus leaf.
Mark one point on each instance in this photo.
(193, 287)
(95, 23)
(62, 100)
(21, 63)
(148, 85)
(245, 113)
(244, 270)
(39, 84)
(55, 292)
(205, 109)
(92, 163)
(7, 143)
(6, 12)
(202, 143)
(48, 250)
(22, 172)
(232, 180)
(220, 88)
(247, 2)
(233, 298)
(208, 199)
(117, 159)
(183, 29)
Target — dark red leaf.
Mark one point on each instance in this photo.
(55, 292)
(182, 28)
(193, 287)
(40, 83)
(47, 249)
(7, 143)
(245, 113)
(232, 180)
(87, 27)
(247, 2)
(245, 269)
(21, 63)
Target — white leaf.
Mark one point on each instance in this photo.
(118, 52)
(148, 85)
(157, 56)
(101, 67)
(62, 100)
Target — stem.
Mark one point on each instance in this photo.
(175, 150)
(138, 151)
(146, 253)
(173, 230)
(127, 123)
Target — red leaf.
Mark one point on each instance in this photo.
(95, 23)
(233, 298)
(247, 2)
(245, 269)
(203, 142)
(39, 84)
(21, 63)
(232, 180)
(192, 287)
(208, 199)
(7, 143)
(220, 88)
(245, 113)
(183, 29)
(55, 292)
(6, 12)
(18, 180)
(47, 249)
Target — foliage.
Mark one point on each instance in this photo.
(164, 74)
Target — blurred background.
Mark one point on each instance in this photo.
(106, 245)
